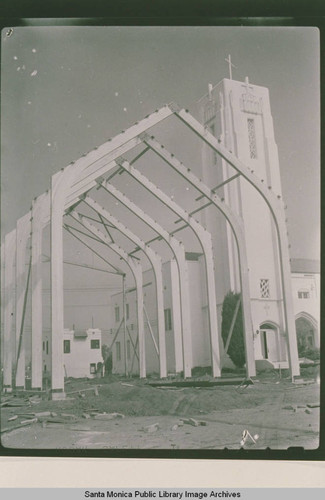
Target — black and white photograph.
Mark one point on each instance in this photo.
(160, 238)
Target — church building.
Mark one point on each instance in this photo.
(239, 115)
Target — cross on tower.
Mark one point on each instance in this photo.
(230, 64)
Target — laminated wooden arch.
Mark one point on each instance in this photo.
(204, 238)
(66, 187)
(236, 225)
(183, 345)
(156, 263)
(276, 207)
(40, 209)
(136, 270)
(23, 231)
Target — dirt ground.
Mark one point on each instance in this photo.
(123, 413)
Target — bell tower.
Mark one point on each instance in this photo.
(239, 115)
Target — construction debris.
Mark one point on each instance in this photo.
(29, 421)
(92, 412)
(108, 416)
(18, 426)
(54, 420)
(178, 410)
(245, 383)
(35, 400)
(193, 422)
(58, 420)
(190, 421)
(11, 419)
(26, 415)
(247, 435)
(301, 381)
(69, 416)
(14, 403)
(202, 383)
(151, 428)
(81, 392)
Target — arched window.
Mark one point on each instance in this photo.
(305, 334)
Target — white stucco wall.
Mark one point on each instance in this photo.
(77, 362)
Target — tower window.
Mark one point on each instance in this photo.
(127, 311)
(117, 314)
(265, 288)
(168, 319)
(66, 346)
(303, 294)
(252, 138)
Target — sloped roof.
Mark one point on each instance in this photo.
(308, 266)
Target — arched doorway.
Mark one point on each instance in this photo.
(306, 334)
(270, 345)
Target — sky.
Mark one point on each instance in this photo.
(66, 90)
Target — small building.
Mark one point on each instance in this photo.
(82, 353)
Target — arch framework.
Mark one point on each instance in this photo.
(68, 187)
